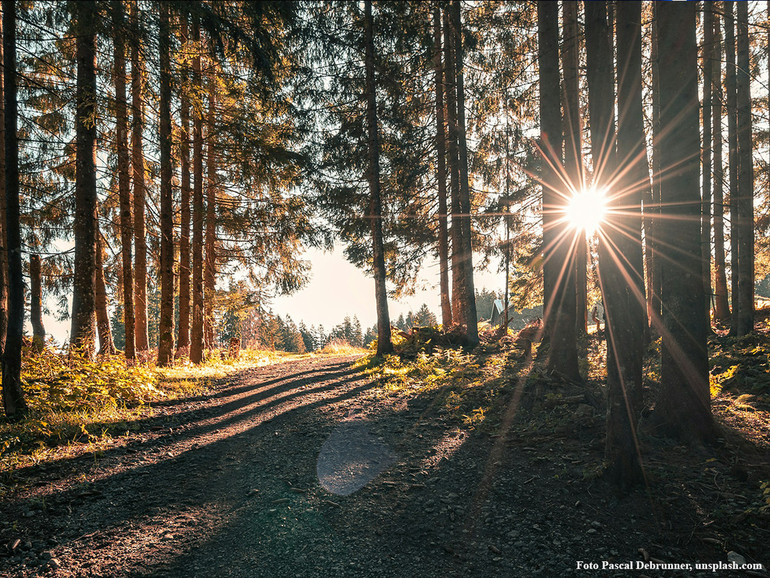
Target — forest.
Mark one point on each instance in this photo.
(169, 166)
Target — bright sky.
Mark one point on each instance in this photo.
(337, 288)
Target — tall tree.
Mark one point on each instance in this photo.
(706, 150)
(166, 328)
(469, 298)
(183, 341)
(743, 219)
(721, 304)
(653, 255)
(443, 229)
(384, 344)
(140, 193)
(573, 145)
(558, 266)
(210, 265)
(85, 223)
(621, 267)
(13, 396)
(3, 236)
(196, 328)
(450, 91)
(683, 406)
(124, 184)
(732, 149)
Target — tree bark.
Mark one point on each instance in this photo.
(36, 303)
(743, 220)
(106, 344)
(13, 396)
(683, 407)
(137, 161)
(384, 344)
(732, 165)
(573, 148)
(558, 248)
(450, 91)
(621, 265)
(124, 185)
(443, 228)
(196, 329)
(85, 225)
(166, 322)
(469, 293)
(183, 342)
(721, 303)
(3, 236)
(209, 273)
(652, 243)
(706, 150)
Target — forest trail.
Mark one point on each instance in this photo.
(306, 468)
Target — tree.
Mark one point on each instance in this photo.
(124, 190)
(85, 224)
(558, 248)
(183, 340)
(137, 166)
(210, 265)
(196, 328)
(469, 303)
(573, 146)
(706, 150)
(743, 218)
(732, 149)
(36, 303)
(621, 268)
(384, 344)
(106, 344)
(13, 396)
(3, 236)
(721, 304)
(683, 407)
(443, 229)
(166, 328)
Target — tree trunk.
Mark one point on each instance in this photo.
(36, 303)
(732, 165)
(384, 344)
(106, 344)
(13, 396)
(183, 342)
(137, 161)
(573, 148)
(209, 273)
(683, 406)
(559, 264)
(469, 301)
(196, 329)
(721, 303)
(124, 185)
(85, 225)
(443, 229)
(3, 237)
(450, 91)
(706, 171)
(622, 261)
(743, 220)
(652, 243)
(166, 322)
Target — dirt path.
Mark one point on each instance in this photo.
(306, 469)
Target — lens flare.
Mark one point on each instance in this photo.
(587, 209)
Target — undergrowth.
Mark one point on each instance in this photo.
(75, 400)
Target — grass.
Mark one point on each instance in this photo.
(80, 402)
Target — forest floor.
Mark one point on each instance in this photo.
(327, 466)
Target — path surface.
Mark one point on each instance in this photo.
(305, 469)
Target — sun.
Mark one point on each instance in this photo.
(587, 209)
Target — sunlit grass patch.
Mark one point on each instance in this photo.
(341, 347)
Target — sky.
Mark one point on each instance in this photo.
(336, 289)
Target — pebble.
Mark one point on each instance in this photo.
(54, 563)
(591, 531)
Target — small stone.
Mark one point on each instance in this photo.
(596, 524)
(30, 513)
(591, 531)
(54, 563)
(167, 536)
(735, 557)
(46, 555)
